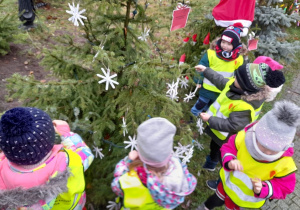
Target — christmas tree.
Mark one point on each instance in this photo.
(108, 81)
(8, 28)
(270, 24)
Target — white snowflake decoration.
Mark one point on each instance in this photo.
(198, 145)
(184, 83)
(184, 152)
(200, 126)
(179, 150)
(113, 205)
(188, 155)
(144, 35)
(101, 46)
(131, 143)
(173, 90)
(108, 79)
(98, 152)
(76, 14)
(124, 127)
(189, 97)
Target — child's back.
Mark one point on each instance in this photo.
(35, 173)
(161, 180)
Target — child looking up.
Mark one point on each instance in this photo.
(224, 58)
(152, 178)
(36, 173)
(257, 162)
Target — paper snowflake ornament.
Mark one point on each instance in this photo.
(198, 145)
(185, 153)
(184, 82)
(108, 79)
(180, 150)
(131, 143)
(173, 90)
(98, 152)
(76, 14)
(188, 155)
(200, 126)
(144, 35)
(124, 127)
(113, 205)
(189, 96)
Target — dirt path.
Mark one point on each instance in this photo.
(17, 61)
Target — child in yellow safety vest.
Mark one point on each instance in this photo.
(35, 172)
(224, 57)
(257, 162)
(151, 177)
(238, 105)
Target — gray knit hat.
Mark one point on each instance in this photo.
(276, 129)
(155, 141)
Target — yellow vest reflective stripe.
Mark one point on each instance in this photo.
(223, 106)
(225, 68)
(238, 186)
(257, 111)
(136, 195)
(76, 184)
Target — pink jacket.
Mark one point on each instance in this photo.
(281, 186)
(38, 188)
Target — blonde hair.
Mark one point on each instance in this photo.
(262, 94)
(159, 172)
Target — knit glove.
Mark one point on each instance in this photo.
(62, 128)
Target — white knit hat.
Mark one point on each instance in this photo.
(155, 141)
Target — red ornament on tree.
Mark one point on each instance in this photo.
(206, 39)
(185, 40)
(182, 59)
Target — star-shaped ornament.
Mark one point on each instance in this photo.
(131, 143)
(108, 79)
(76, 14)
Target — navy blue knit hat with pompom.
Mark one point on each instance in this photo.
(26, 135)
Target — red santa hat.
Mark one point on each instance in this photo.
(182, 59)
(194, 38)
(186, 40)
(228, 12)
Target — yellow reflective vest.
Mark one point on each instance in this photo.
(225, 68)
(76, 184)
(223, 106)
(238, 185)
(136, 195)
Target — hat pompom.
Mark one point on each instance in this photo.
(274, 79)
(244, 32)
(287, 112)
(16, 122)
(238, 24)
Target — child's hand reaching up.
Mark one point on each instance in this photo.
(61, 127)
(133, 155)
(200, 68)
(235, 165)
(204, 116)
(257, 185)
